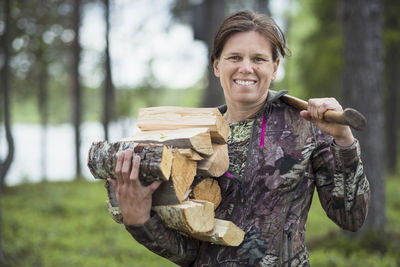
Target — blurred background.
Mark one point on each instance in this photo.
(77, 71)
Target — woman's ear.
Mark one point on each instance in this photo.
(216, 67)
(276, 65)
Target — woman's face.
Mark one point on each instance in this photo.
(246, 68)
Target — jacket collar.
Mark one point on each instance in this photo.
(272, 97)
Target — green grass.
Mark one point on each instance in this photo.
(67, 224)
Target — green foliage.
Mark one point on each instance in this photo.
(315, 40)
(67, 224)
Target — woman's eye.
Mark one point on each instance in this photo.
(259, 59)
(234, 58)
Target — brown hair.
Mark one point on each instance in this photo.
(244, 21)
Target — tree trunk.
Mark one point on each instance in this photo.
(77, 91)
(44, 111)
(362, 26)
(5, 108)
(262, 6)
(213, 16)
(108, 85)
(393, 57)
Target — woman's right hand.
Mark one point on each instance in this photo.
(134, 199)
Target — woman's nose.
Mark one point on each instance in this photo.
(246, 67)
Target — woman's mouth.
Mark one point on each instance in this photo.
(244, 82)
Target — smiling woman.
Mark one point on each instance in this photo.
(278, 156)
(245, 69)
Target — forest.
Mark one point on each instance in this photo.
(96, 62)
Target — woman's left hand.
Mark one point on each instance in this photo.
(315, 113)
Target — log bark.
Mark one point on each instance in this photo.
(189, 217)
(216, 164)
(156, 160)
(198, 139)
(174, 191)
(209, 190)
(225, 233)
(164, 118)
(115, 212)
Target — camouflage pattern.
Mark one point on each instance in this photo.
(270, 202)
(238, 141)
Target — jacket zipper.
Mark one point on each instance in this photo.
(289, 247)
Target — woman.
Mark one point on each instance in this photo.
(277, 159)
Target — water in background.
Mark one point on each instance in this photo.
(60, 149)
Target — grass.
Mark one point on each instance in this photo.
(67, 224)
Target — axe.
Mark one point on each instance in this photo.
(349, 116)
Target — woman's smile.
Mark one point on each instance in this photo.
(246, 68)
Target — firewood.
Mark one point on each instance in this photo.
(190, 217)
(115, 212)
(156, 160)
(216, 164)
(190, 154)
(209, 190)
(112, 203)
(225, 233)
(198, 139)
(183, 171)
(163, 118)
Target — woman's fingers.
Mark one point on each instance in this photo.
(127, 165)
(153, 187)
(118, 167)
(134, 174)
(318, 106)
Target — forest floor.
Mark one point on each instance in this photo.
(67, 224)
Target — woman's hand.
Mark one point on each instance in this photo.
(134, 199)
(315, 113)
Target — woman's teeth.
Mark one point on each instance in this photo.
(241, 82)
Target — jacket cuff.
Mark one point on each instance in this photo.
(346, 154)
(144, 232)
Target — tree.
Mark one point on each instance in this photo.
(262, 6)
(363, 47)
(109, 95)
(315, 40)
(5, 107)
(392, 70)
(211, 13)
(76, 85)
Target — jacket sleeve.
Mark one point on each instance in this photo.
(342, 186)
(164, 241)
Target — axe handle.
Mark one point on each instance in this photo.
(349, 116)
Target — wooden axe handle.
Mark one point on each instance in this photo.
(349, 116)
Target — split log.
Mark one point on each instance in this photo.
(156, 160)
(162, 118)
(225, 233)
(198, 139)
(189, 217)
(209, 190)
(190, 154)
(183, 171)
(216, 164)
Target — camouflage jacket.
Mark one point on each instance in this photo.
(287, 159)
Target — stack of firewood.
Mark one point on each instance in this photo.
(186, 149)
